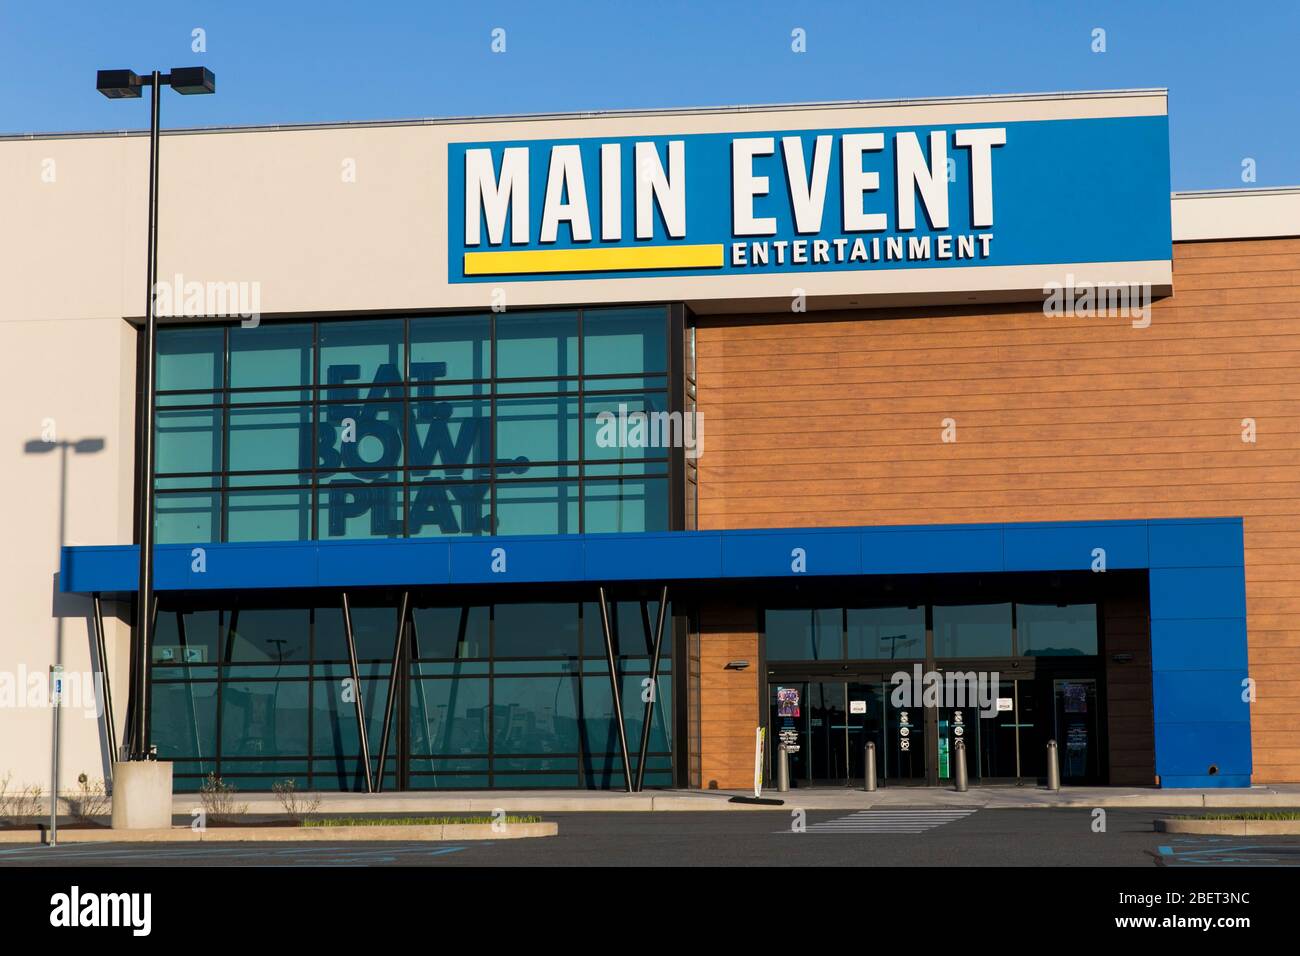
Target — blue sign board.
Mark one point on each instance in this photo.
(1059, 191)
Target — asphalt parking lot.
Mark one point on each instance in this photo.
(877, 837)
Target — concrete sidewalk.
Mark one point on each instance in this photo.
(829, 798)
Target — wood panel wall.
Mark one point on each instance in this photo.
(728, 698)
(837, 419)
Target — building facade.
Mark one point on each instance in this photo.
(570, 451)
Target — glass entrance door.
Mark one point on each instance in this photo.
(1076, 730)
(825, 726)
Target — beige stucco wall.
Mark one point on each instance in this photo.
(76, 378)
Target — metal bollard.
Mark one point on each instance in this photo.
(1053, 767)
(959, 766)
(782, 769)
(869, 766)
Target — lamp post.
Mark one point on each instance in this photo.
(117, 85)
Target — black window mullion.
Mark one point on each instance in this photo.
(492, 456)
(314, 495)
(582, 418)
(406, 425)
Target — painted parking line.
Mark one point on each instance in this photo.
(890, 821)
(1222, 853)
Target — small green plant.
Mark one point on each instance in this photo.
(218, 799)
(297, 803)
(417, 821)
(91, 800)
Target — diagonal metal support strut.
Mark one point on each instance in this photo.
(393, 676)
(356, 692)
(614, 688)
(654, 683)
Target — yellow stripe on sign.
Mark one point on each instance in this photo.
(631, 258)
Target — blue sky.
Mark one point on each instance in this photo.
(1231, 68)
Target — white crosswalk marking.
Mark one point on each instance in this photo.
(890, 821)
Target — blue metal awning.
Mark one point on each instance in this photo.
(666, 556)
(1196, 577)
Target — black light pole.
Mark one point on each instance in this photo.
(117, 85)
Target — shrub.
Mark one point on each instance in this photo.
(297, 803)
(218, 798)
(91, 800)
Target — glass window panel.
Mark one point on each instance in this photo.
(334, 722)
(451, 632)
(537, 344)
(199, 642)
(624, 383)
(460, 668)
(271, 635)
(535, 630)
(628, 631)
(356, 509)
(537, 429)
(449, 508)
(449, 717)
(629, 505)
(972, 630)
(534, 764)
(600, 739)
(535, 715)
(536, 387)
(804, 634)
(272, 479)
(537, 508)
(270, 354)
(624, 340)
(449, 781)
(268, 516)
(366, 435)
(190, 358)
(279, 396)
(361, 354)
(450, 434)
(886, 633)
(1049, 630)
(186, 518)
(270, 439)
(534, 781)
(176, 400)
(451, 347)
(263, 719)
(183, 720)
(374, 628)
(626, 469)
(187, 441)
(630, 426)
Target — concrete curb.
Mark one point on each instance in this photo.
(1230, 827)
(846, 800)
(292, 834)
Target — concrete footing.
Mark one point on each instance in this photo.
(142, 795)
